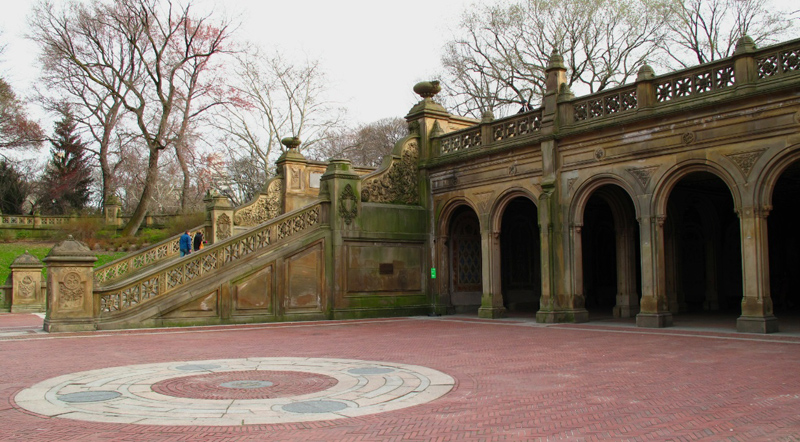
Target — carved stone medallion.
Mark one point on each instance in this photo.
(688, 138)
(70, 292)
(26, 288)
(348, 205)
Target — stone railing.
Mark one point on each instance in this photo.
(527, 123)
(692, 82)
(461, 140)
(128, 264)
(17, 220)
(35, 221)
(263, 208)
(168, 279)
(749, 66)
(619, 100)
(778, 60)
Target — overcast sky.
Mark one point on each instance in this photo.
(373, 52)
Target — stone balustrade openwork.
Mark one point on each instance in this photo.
(168, 279)
(130, 263)
(705, 80)
(34, 220)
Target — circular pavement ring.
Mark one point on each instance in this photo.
(235, 391)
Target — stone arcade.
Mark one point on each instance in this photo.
(674, 194)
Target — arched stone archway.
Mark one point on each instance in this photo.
(784, 242)
(702, 246)
(463, 260)
(520, 256)
(610, 265)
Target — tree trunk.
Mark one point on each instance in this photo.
(181, 155)
(141, 209)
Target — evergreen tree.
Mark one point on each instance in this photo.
(13, 189)
(66, 181)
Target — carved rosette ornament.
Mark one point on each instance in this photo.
(70, 292)
(266, 207)
(223, 227)
(348, 204)
(398, 184)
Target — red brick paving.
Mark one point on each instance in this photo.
(515, 382)
(207, 386)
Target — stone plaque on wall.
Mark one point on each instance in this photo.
(255, 292)
(304, 280)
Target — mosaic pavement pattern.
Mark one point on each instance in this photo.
(235, 391)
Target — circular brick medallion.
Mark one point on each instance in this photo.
(251, 384)
(235, 392)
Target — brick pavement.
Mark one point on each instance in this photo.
(514, 380)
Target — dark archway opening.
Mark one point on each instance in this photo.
(466, 281)
(784, 243)
(520, 256)
(611, 257)
(703, 247)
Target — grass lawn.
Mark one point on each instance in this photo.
(10, 251)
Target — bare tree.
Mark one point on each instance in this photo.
(272, 98)
(706, 30)
(166, 45)
(365, 145)
(501, 52)
(17, 131)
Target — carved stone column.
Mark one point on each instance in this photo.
(757, 315)
(654, 310)
(492, 299)
(111, 212)
(26, 283)
(219, 217)
(70, 285)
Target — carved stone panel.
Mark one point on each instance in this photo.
(398, 184)
(71, 292)
(255, 292)
(348, 204)
(223, 226)
(304, 280)
(642, 174)
(267, 206)
(746, 160)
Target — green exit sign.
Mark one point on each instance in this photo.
(433, 273)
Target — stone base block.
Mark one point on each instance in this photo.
(32, 308)
(561, 316)
(54, 326)
(654, 320)
(757, 324)
(625, 311)
(492, 312)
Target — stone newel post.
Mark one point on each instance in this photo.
(70, 284)
(219, 217)
(26, 280)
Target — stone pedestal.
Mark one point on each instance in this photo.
(26, 283)
(70, 285)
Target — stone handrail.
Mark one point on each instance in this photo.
(518, 125)
(461, 140)
(611, 102)
(17, 220)
(130, 263)
(705, 78)
(162, 281)
(264, 207)
(778, 60)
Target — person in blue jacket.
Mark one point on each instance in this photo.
(186, 243)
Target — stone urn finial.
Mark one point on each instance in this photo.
(291, 143)
(556, 60)
(427, 89)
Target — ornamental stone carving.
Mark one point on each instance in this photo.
(70, 292)
(642, 174)
(223, 227)
(398, 184)
(266, 207)
(746, 160)
(348, 205)
(26, 288)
